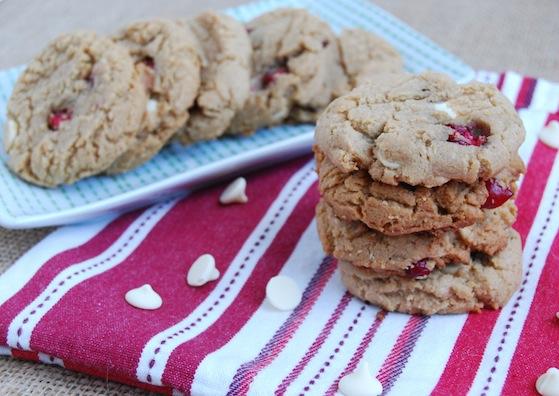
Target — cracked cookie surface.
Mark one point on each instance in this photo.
(74, 110)
(168, 59)
(225, 85)
(423, 130)
(486, 282)
(353, 242)
(296, 70)
(402, 209)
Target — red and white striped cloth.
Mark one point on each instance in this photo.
(63, 302)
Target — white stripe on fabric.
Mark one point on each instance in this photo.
(80, 272)
(533, 122)
(288, 198)
(341, 359)
(5, 351)
(382, 343)
(385, 339)
(430, 355)
(48, 359)
(544, 246)
(511, 86)
(546, 97)
(262, 325)
(282, 365)
(63, 239)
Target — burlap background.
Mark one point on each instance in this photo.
(490, 34)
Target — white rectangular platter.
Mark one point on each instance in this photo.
(178, 169)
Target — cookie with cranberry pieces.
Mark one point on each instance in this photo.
(225, 85)
(296, 69)
(414, 255)
(404, 209)
(485, 282)
(422, 130)
(168, 57)
(74, 110)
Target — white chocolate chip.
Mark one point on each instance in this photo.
(234, 192)
(10, 133)
(360, 382)
(283, 293)
(386, 162)
(144, 297)
(550, 134)
(202, 271)
(151, 106)
(443, 107)
(548, 383)
(151, 113)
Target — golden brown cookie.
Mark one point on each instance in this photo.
(423, 130)
(412, 255)
(225, 76)
(404, 209)
(75, 109)
(296, 69)
(168, 57)
(486, 282)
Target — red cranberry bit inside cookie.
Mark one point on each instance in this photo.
(419, 269)
(498, 194)
(149, 62)
(58, 117)
(147, 71)
(468, 135)
(270, 76)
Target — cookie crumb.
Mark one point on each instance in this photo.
(380, 315)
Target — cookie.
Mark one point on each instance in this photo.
(168, 57)
(225, 76)
(404, 209)
(365, 56)
(423, 130)
(487, 282)
(412, 255)
(74, 110)
(296, 70)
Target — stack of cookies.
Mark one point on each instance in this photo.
(417, 177)
(90, 104)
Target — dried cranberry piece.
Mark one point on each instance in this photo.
(57, 117)
(498, 194)
(467, 135)
(419, 269)
(149, 62)
(270, 76)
